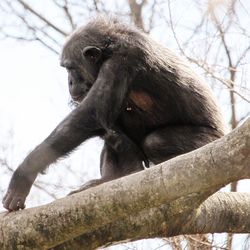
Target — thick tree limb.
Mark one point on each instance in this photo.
(178, 186)
(222, 212)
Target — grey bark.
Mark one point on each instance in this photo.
(222, 212)
(177, 187)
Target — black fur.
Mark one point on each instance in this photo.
(142, 99)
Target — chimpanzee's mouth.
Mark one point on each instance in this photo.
(77, 98)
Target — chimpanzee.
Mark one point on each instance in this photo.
(142, 99)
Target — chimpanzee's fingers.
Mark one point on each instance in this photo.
(16, 204)
(13, 203)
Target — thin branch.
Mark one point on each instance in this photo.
(172, 28)
(68, 14)
(66, 10)
(207, 69)
(47, 35)
(210, 72)
(47, 46)
(42, 18)
(136, 13)
(34, 31)
(151, 18)
(243, 55)
(95, 2)
(223, 40)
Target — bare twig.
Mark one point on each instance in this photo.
(66, 10)
(42, 18)
(136, 13)
(151, 18)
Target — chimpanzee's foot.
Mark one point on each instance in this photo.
(89, 184)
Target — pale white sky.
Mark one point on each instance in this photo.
(32, 97)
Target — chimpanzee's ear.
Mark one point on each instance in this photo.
(92, 54)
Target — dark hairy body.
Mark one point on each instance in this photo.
(143, 100)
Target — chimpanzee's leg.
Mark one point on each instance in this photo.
(114, 165)
(168, 142)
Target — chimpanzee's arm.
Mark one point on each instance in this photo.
(110, 89)
(97, 112)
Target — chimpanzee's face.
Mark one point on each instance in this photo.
(83, 66)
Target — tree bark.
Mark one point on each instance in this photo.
(136, 13)
(222, 212)
(169, 193)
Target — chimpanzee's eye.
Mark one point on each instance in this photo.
(80, 78)
(75, 73)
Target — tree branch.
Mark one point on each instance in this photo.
(42, 18)
(136, 13)
(222, 212)
(177, 186)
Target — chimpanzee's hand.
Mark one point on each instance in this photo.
(18, 190)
